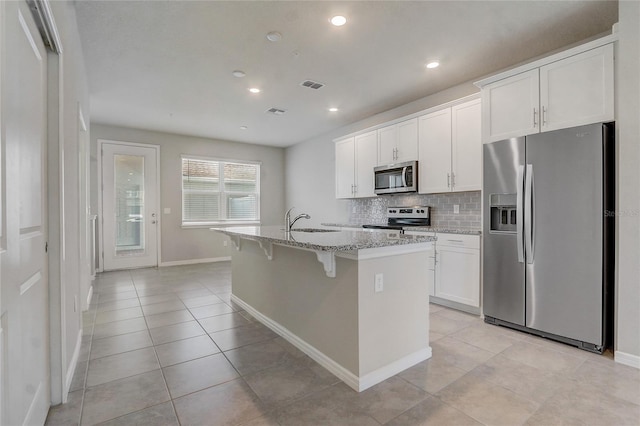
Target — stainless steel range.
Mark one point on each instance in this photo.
(400, 217)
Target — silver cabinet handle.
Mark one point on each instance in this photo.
(544, 116)
(455, 241)
(519, 213)
(535, 117)
(448, 180)
(453, 180)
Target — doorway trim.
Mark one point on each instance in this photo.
(101, 190)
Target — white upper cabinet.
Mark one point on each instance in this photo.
(366, 157)
(466, 146)
(355, 159)
(345, 168)
(398, 143)
(567, 92)
(434, 161)
(450, 148)
(577, 90)
(511, 107)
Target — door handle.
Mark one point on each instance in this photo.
(519, 213)
(528, 213)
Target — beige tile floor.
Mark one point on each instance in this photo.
(166, 347)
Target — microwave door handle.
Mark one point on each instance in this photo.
(404, 176)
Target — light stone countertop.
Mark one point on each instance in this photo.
(425, 229)
(343, 240)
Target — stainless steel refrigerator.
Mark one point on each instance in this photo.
(548, 224)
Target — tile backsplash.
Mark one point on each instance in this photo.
(374, 210)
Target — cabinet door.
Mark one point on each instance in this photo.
(466, 147)
(407, 142)
(431, 271)
(511, 107)
(366, 156)
(345, 168)
(387, 137)
(434, 152)
(458, 275)
(577, 90)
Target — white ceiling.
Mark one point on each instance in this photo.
(166, 65)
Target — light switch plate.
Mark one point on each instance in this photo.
(456, 208)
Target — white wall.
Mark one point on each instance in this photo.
(180, 244)
(628, 197)
(310, 166)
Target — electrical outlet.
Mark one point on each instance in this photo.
(456, 208)
(167, 210)
(379, 283)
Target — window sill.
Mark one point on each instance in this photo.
(201, 225)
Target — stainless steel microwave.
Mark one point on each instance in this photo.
(396, 178)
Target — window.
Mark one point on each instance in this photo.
(219, 191)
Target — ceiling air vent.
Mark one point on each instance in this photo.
(311, 84)
(275, 111)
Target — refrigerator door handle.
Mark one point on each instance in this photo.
(519, 213)
(528, 213)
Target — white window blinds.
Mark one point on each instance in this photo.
(215, 191)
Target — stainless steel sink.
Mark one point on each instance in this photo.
(313, 230)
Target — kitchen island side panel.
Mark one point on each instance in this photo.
(294, 291)
(394, 323)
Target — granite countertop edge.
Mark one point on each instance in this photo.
(429, 229)
(369, 243)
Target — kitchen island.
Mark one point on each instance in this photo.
(355, 301)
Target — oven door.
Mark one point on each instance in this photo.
(394, 178)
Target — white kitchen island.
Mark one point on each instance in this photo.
(318, 291)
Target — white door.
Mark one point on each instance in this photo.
(387, 139)
(407, 143)
(466, 147)
(434, 161)
(129, 206)
(345, 168)
(577, 90)
(24, 367)
(366, 157)
(511, 107)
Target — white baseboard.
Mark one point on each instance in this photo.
(627, 359)
(72, 367)
(350, 379)
(195, 261)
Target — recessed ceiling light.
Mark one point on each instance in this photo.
(433, 64)
(333, 109)
(243, 127)
(238, 73)
(274, 36)
(338, 20)
(254, 90)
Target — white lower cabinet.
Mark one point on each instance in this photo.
(454, 271)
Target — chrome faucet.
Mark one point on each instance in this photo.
(288, 223)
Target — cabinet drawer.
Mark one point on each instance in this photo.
(458, 240)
